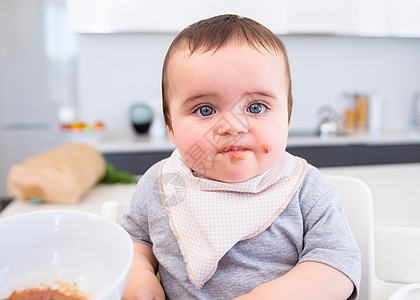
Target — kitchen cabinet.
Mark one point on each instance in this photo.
(97, 16)
(346, 17)
(271, 13)
(366, 18)
(306, 16)
(386, 154)
(352, 155)
(339, 17)
(291, 16)
(398, 18)
(326, 156)
(282, 16)
(135, 162)
(404, 18)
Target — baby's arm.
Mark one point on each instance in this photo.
(307, 280)
(142, 282)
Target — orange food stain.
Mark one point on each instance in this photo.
(266, 148)
(236, 155)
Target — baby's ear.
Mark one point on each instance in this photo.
(171, 135)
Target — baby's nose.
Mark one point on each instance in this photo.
(229, 125)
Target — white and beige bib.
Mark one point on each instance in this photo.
(209, 217)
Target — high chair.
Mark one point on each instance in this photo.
(356, 199)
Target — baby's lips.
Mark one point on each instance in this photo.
(235, 152)
(234, 148)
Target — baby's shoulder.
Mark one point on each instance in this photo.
(315, 187)
(148, 181)
(315, 182)
(152, 172)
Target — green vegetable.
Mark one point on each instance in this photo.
(112, 175)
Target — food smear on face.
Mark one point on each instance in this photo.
(65, 292)
(236, 155)
(266, 148)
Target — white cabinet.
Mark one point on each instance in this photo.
(295, 16)
(398, 18)
(321, 16)
(270, 13)
(99, 16)
(405, 18)
(342, 17)
(369, 18)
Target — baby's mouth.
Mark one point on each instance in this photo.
(235, 152)
(233, 148)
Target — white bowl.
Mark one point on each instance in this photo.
(67, 246)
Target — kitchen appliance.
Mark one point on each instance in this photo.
(37, 78)
(328, 125)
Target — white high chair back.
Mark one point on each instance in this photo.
(356, 199)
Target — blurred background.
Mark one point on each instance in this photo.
(68, 68)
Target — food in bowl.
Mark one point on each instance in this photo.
(38, 294)
(85, 251)
(57, 290)
(65, 291)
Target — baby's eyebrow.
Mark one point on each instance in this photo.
(262, 93)
(196, 98)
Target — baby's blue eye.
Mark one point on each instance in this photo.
(205, 111)
(256, 108)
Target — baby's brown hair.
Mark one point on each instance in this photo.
(212, 34)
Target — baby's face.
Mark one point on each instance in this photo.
(228, 110)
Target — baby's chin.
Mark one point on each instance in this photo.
(229, 177)
(233, 167)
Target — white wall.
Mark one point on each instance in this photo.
(116, 71)
(119, 69)
(324, 68)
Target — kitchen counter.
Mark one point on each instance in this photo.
(133, 143)
(113, 143)
(91, 202)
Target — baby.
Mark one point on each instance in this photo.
(230, 214)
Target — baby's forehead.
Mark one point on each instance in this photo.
(231, 56)
(185, 50)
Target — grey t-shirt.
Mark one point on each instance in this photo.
(313, 227)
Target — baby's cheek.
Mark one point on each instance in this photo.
(195, 152)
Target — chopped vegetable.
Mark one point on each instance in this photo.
(112, 175)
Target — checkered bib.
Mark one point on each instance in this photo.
(209, 217)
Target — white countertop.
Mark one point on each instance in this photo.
(131, 143)
(91, 202)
